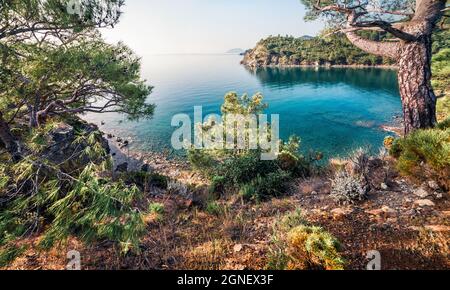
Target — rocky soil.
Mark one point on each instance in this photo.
(407, 223)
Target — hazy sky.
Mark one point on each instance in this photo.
(206, 26)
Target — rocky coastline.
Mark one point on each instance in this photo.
(260, 57)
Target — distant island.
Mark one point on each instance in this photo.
(334, 50)
(236, 51)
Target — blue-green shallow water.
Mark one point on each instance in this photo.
(332, 110)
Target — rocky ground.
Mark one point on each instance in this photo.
(407, 223)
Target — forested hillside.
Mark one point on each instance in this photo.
(325, 49)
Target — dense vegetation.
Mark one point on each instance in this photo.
(441, 72)
(331, 49)
(55, 171)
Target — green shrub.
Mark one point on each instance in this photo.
(84, 203)
(313, 248)
(217, 185)
(263, 187)
(444, 124)
(292, 220)
(9, 254)
(156, 208)
(214, 208)
(298, 246)
(424, 154)
(242, 170)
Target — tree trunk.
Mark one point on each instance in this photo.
(418, 98)
(10, 142)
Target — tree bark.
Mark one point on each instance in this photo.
(414, 75)
(9, 140)
(413, 55)
(386, 49)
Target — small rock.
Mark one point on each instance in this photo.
(433, 185)
(122, 167)
(340, 212)
(385, 211)
(314, 193)
(438, 195)
(103, 123)
(119, 140)
(389, 211)
(422, 193)
(384, 186)
(424, 203)
(237, 248)
(109, 136)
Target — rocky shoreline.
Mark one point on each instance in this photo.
(131, 160)
(260, 57)
(355, 66)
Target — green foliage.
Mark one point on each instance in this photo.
(292, 220)
(9, 254)
(311, 247)
(217, 185)
(243, 170)
(65, 67)
(334, 50)
(91, 208)
(40, 196)
(156, 208)
(54, 65)
(244, 105)
(263, 187)
(214, 208)
(425, 154)
(444, 124)
(299, 246)
(441, 81)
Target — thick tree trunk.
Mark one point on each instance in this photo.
(9, 141)
(418, 98)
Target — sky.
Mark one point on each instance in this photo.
(206, 26)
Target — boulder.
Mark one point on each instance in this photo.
(385, 211)
(341, 212)
(424, 203)
(422, 193)
(64, 151)
(433, 185)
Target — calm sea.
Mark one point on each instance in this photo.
(332, 110)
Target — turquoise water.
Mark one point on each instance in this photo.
(332, 110)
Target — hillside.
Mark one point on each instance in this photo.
(321, 50)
